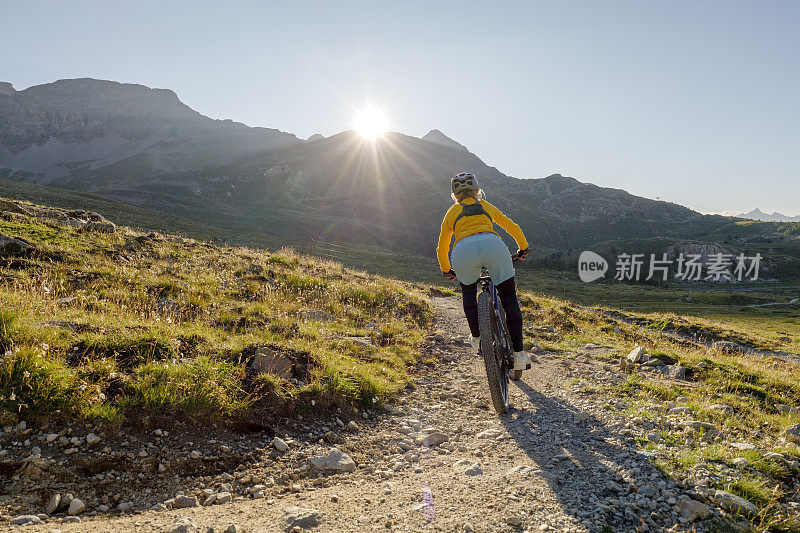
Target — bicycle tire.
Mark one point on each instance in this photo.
(494, 374)
(516, 375)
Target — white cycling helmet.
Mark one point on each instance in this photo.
(463, 180)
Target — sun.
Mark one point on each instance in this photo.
(371, 122)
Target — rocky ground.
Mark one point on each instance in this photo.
(565, 458)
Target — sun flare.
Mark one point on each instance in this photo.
(371, 122)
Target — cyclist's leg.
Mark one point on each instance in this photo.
(508, 296)
(501, 268)
(469, 293)
(465, 261)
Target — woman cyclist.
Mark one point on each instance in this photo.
(471, 219)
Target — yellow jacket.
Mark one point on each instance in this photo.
(469, 225)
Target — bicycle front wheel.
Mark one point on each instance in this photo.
(496, 378)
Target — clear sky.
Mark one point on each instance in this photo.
(694, 102)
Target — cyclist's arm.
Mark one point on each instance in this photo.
(507, 224)
(443, 248)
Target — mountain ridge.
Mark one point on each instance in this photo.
(145, 147)
(757, 214)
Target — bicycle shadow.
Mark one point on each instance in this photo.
(598, 468)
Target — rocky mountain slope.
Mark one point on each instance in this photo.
(144, 146)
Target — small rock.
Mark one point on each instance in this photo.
(299, 517)
(181, 502)
(224, 497)
(473, 470)
(91, 438)
(722, 408)
(675, 371)
(434, 439)
(697, 425)
(76, 506)
(183, 525)
(233, 528)
(125, 506)
(195, 454)
(654, 437)
(335, 460)
(52, 505)
(636, 355)
(280, 444)
(734, 504)
(692, 510)
(26, 519)
(740, 462)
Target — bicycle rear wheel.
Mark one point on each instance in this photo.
(491, 350)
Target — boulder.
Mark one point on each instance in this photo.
(675, 371)
(792, 433)
(268, 361)
(12, 207)
(100, 227)
(13, 247)
(335, 461)
(294, 516)
(725, 346)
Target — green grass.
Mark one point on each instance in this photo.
(107, 325)
(751, 385)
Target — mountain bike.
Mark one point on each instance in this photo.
(498, 354)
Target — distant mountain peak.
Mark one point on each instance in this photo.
(437, 137)
(758, 214)
(6, 89)
(315, 137)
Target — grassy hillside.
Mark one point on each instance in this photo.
(749, 400)
(110, 324)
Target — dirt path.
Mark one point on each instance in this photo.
(559, 461)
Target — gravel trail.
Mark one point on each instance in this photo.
(561, 460)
